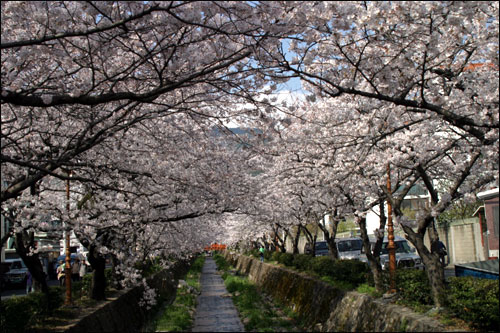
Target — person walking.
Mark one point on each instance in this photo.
(60, 273)
(83, 269)
(439, 248)
(75, 270)
(29, 283)
(262, 250)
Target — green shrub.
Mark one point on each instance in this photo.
(348, 272)
(475, 300)
(366, 288)
(354, 271)
(323, 266)
(254, 253)
(149, 266)
(413, 286)
(302, 262)
(221, 262)
(18, 313)
(286, 259)
(86, 284)
(197, 265)
(276, 256)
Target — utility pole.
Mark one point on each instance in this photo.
(67, 267)
(391, 247)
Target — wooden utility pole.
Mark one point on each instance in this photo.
(391, 247)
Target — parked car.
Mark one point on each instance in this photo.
(16, 273)
(321, 249)
(406, 256)
(349, 248)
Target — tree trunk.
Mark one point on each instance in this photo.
(309, 237)
(98, 263)
(330, 240)
(313, 246)
(283, 248)
(434, 269)
(278, 241)
(435, 274)
(24, 242)
(296, 240)
(373, 257)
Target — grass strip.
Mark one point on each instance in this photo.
(178, 316)
(258, 312)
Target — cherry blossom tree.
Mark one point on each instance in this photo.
(74, 74)
(126, 95)
(424, 78)
(77, 77)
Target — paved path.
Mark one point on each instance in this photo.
(214, 312)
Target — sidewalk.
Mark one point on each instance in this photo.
(215, 311)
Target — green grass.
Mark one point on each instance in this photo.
(257, 314)
(179, 315)
(365, 288)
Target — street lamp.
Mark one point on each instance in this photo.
(67, 266)
(391, 247)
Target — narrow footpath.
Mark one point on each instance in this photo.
(215, 311)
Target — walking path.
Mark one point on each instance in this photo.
(215, 311)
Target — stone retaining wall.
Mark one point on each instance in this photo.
(122, 313)
(328, 308)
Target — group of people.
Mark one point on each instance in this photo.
(78, 271)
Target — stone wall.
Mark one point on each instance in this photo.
(122, 312)
(326, 307)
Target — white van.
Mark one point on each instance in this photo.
(406, 256)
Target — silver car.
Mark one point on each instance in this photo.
(349, 248)
(406, 257)
(16, 273)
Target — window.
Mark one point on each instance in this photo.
(349, 245)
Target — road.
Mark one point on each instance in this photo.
(21, 290)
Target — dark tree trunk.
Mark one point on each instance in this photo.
(98, 263)
(373, 257)
(24, 242)
(296, 240)
(330, 238)
(313, 246)
(279, 242)
(311, 239)
(283, 248)
(432, 263)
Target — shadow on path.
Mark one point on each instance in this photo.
(215, 311)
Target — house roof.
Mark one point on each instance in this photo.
(478, 210)
(485, 195)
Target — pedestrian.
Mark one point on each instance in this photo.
(439, 248)
(75, 270)
(262, 250)
(83, 269)
(60, 273)
(29, 282)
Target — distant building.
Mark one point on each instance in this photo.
(417, 198)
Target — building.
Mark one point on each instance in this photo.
(488, 217)
(417, 198)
